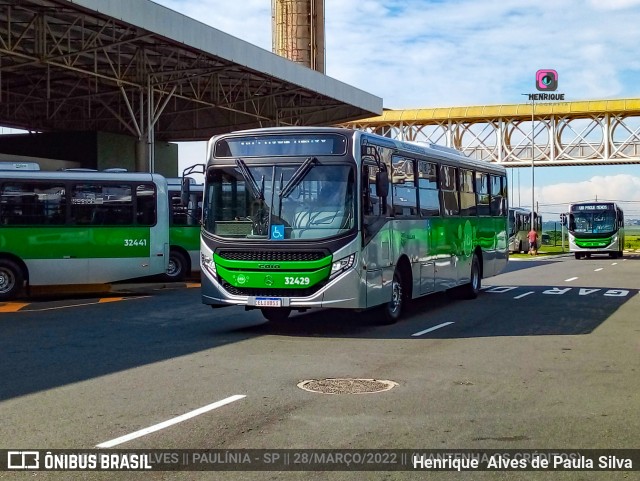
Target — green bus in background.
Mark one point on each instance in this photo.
(184, 228)
(72, 227)
(298, 218)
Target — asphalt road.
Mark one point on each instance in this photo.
(545, 358)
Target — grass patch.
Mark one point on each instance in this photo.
(631, 241)
(544, 250)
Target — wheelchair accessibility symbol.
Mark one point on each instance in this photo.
(277, 231)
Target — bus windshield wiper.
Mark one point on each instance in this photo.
(297, 176)
(257, 192)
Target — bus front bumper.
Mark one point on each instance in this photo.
(346, 291)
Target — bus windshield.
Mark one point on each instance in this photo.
(262, 201)
(603, 222)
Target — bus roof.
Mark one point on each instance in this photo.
(428, 150)
(84, 176)
(594, 203)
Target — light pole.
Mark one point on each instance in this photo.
(533, 156)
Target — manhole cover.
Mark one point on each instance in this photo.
(346, 386)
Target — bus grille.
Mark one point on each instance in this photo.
(265, 292)
(271, 256)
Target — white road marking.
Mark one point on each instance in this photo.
(524, 295)
(598, 269)
(614, 264)
(170, 422)
(570, 279)
(431, 329)
(501, 289)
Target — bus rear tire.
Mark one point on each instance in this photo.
(276, 314)
(178, 267)
(11, 279)
(472, 289)
(577, 255)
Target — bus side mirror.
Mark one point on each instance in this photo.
(185, 191)
(382, 183)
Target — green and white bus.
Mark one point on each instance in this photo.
(298, 218)
(72, 227)
(596, 228)
(184, 229)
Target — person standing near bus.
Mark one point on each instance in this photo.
(533, 242)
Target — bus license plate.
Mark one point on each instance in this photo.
(268, 301)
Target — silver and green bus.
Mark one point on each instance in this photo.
(184, 229)
(596, 228)
(72, 227)
(299, 218)
(519, 228)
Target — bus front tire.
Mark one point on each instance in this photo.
(276, 314)
(392, 310)
(178, 266)
(11, 279)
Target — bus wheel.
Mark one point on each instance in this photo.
(276, 314)
(392, 310)
(577, 255)
(11, 279)
(178, 265)
(472, 289)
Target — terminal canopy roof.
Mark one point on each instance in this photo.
(135, 67)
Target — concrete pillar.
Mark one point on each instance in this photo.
(142, 155)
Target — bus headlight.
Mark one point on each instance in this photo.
(342, 265)
(208, 264)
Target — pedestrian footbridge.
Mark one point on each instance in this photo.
(602, 132)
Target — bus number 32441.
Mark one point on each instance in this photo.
(299, 281)
(135, 242)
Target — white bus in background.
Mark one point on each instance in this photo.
(596, 228)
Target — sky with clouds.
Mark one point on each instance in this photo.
(434, 53)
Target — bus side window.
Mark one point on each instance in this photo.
(449, 189)
(370, 200)
(482, 191)
(146, 204)
(428, 189)
(373, 206)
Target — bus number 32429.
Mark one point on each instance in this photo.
(299, 281)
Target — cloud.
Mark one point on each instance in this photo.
(555, 198)
(419, 53)
(614, 4)
(431, 53)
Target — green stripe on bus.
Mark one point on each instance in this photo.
(284, 265)
(75, 242)
(274, 279)
(185, 236)
(593, 242)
